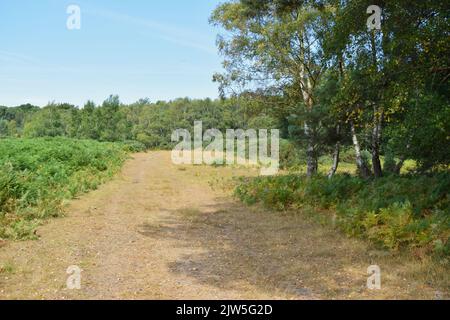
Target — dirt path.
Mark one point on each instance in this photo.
(158, 231)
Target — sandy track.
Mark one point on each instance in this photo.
(158, 231)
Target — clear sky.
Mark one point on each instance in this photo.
(134, 48)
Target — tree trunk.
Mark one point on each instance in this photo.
(377, 121)
(362, 167)
(336, 154)
(311, 159)
(376, 141)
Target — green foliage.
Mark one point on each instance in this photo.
(391, 212)
(330, 71)
(422, 133)
(291, 156)
(37, 175)
(133, 146)
(263, 122)
(149, 124)
(4, 128)
(51, 121)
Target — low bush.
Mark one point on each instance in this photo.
(134, 146)
(393, 212)
(37, 175)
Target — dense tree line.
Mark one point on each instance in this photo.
(149, 123)
(383, 91)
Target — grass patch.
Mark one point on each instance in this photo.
(7, 268)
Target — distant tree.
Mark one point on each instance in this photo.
(12, 128)
(51, 121)
(4, 128)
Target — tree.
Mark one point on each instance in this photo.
(276, 46)
(388, 77)
(51, 121)
(3, 128)
(12, 128)
(108, 117)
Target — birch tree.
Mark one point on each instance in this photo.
(275, 46)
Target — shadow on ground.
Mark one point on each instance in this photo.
(281, 254)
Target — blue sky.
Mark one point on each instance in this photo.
(136, 48)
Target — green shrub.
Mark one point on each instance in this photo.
(391, 212)
(291, 156)
(36, 175)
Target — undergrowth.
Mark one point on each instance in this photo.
(37, 175)
(394, 213)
